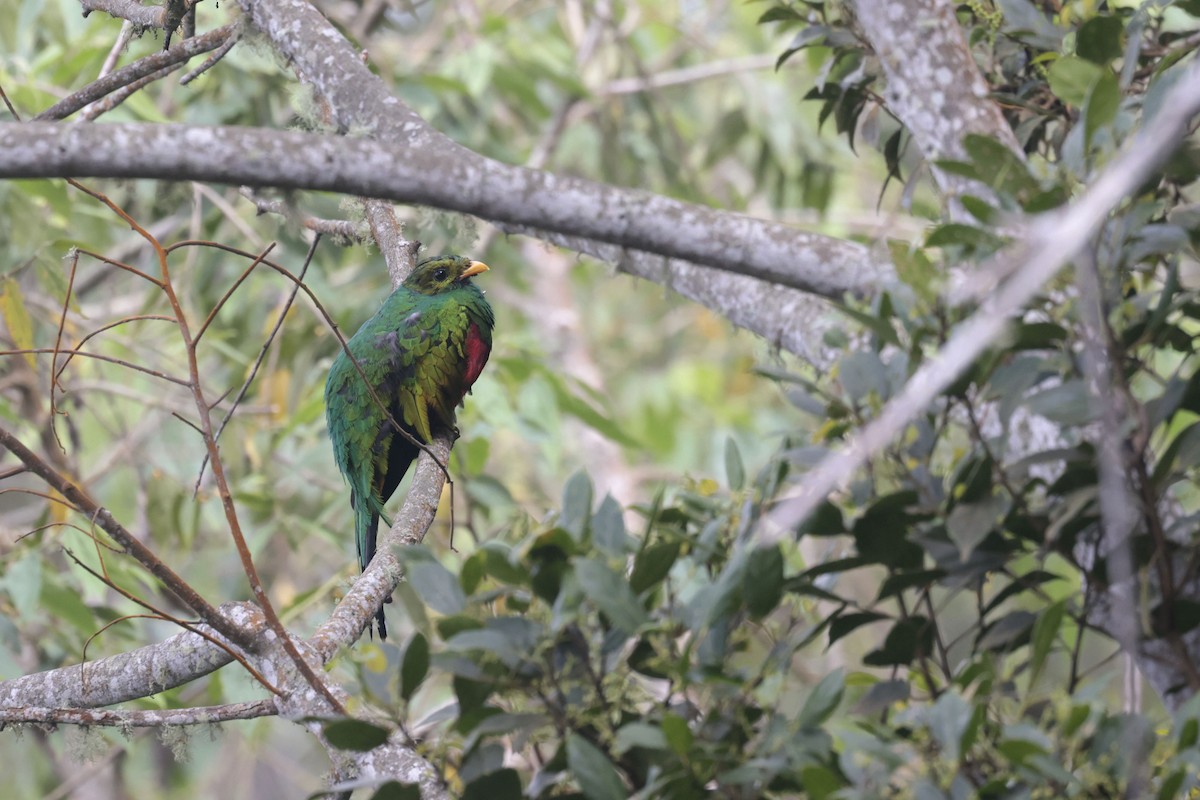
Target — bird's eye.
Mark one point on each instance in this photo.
(440, 274)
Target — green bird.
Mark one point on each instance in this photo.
(421, 353)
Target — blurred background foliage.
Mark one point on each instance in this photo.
(927, 635)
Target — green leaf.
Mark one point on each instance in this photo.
(1099, 39)
(735, 472)
(1045, 632)
(415, 666)
(437, 587)
(394, 790)
(906, 641)
(762, 582)
(595, 774)
(502, 784)
(677, 733)
(948, 720)
(960, 235)
(66, 605)
(970, 523)
(608, 528)
(882, 696)
(1007, 633)
(847, 623)
(609, 592)
(826, 520)
(355, 734)
(1072, 79)
(1103, 102)
(577, 504)
(16, 318)
(779, 14)
(823, 700)
(1069, 403)
(998, 166)
(652, 565)
(639, 734)
(915, 269)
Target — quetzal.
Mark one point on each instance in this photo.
(421, 352)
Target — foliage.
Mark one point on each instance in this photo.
(932, 631)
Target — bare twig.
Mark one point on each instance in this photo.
(341, 230)
(125, 539)
(262, 353)
(143, 67)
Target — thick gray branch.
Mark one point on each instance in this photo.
(173, 662)
(933, 85)
(444, 175)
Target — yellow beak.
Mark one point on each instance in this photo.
(475, 268)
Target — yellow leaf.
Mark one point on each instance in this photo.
(16, 318)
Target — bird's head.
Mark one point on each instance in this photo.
(443, 273)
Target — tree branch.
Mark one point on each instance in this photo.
(446, 175)
(1051, 240)
(152, 718)
(933, 84)
(175, 661)
(126, 540)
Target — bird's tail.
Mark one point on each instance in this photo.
(366, 530)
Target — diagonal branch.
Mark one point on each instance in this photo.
(1052, 240)
(142, 68)
(144, 555)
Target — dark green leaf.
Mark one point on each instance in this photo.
(908, 639)
(394, 790)
(355, 734)
(473, 571)
(593, 771)
(415, 666)
(503, 784)
(1045, 632)
(762, 582)
(652, 565)
(1008, 632)
(471, 694)
(846, 623)
(498, 560)
(1099, 39)
(958, 234)
(778, 14)
(826, 520)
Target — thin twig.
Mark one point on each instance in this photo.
(131, 544)
(138, 70)
(145, 370)
(262, 353)
(342, 231)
